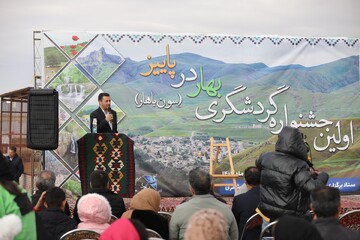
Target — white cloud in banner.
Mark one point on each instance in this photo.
(320, 18)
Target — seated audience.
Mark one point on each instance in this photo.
(56, 222)
(295, 228)
(99, 182)
(94, 212)
(200, 184)
(15, 200)
(325, 202)
(244, 205)
(44, 182)
(207, 224)
(125, 229)
(144, 207)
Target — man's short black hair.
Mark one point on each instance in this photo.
(54, 197)
(252, 176)
(200, 181)
(325, 201)
(12, 148)
(101, 95)
(99, 179)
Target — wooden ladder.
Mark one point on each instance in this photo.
(213, 162)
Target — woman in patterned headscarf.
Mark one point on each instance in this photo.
(144, 207)
(207, 224)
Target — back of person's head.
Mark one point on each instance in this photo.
(290, 141)
(325, 201)
(124, 229)
(45, 180)
(200, 181)
(295, 228)
(55, 198)
(146, 199)
(252, 176)
(99, 179)
(94, 208)
(207, 224)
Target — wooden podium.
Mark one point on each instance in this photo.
(111, 152)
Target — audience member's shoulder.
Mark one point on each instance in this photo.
(183, 205)
(240, 196)
(291, 227)
(350, 233)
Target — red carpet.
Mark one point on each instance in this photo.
(348, 202)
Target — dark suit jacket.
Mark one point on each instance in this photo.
(330, 229)
(244, 206)
(102, 125)
(16, 167)
(56, 222)
(153, 221)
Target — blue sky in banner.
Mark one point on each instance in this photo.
(308, 18)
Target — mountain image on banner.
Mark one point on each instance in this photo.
(100, 64)
(324, 78)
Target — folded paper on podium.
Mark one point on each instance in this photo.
(110, 152)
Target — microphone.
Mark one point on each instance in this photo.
(110, 112)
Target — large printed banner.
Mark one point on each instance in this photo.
(173, 92)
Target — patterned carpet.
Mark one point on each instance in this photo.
(348, 202)
(110, 152)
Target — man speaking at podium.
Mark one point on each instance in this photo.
(103, 119)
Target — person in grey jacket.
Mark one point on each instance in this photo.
(286, 178)
(200, 184)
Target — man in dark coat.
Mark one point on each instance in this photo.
(15, 164)
(244, 205)
(56, 222)
(286, 179)
(106, 118)
(325, 202)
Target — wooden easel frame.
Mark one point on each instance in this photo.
(213, 162)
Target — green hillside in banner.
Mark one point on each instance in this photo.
(347, 161)
(319, 88)
(323, 78)
(181, 121)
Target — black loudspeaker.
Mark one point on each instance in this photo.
(43, 119)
